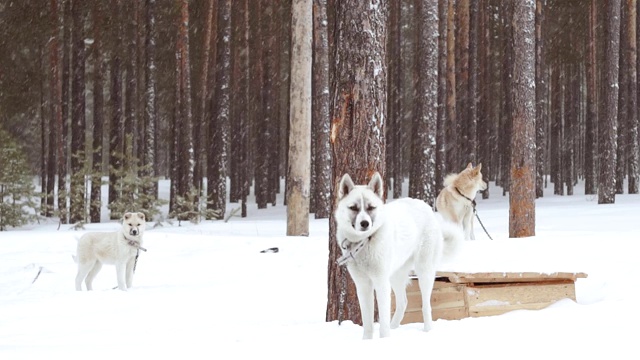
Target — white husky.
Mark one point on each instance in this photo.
(382, 243)
(118, 248)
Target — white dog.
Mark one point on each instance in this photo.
(115, 248)
(456, 201)
(382, 243)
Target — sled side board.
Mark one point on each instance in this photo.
(460, 295)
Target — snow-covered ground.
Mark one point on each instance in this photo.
(205, 291)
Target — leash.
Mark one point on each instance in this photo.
(136, 245)
(475, 211)
(481, 224)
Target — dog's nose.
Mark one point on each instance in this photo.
(364, 224)
(134, 232)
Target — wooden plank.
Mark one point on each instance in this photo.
(459, 295)
(489, 300)
(448, 301)
(497, 277)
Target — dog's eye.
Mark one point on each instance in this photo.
(371, 208)
(354, 208)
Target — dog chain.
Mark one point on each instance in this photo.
(352, 252)
(136, 245)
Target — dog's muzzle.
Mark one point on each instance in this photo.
(134, 232)
(362, 225)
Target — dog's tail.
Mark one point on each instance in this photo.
(448, 180)
(453, 237)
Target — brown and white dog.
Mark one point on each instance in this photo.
(456, 201)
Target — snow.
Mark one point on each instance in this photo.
(205, 291)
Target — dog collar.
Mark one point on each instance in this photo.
(353, 250)
(135, 244)
(473, 201)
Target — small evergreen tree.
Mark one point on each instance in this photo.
(132, 195)
(193, 208)
(17, 194)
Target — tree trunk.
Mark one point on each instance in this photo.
(633, 153)
(55, 122)
(472, 93)
(298, 177)
(77, 190)
(219, 125)
(591, 123)
(424, 138)
(63, 126)
(452, 118)
(131, 96)
(623, 100)
(264, 127)
(441, 152)
(541, 98)
(283, 98)
(199, 121)
(394, 128)
(607, 125)
(116, 142)
(357, 136)
(98, 114)
(506, 122)
(242, 104)
(256, 95)
(150, 99)
(557, 96)
(462, 93)
(184, 136)
(522, 188)
(320, 120)
(571, 90)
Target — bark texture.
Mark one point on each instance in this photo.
(357, 123)
(298, 177)
(522, 189)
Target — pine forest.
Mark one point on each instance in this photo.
(231, 99)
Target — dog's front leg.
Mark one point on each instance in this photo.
(121, 269)
(129, 278)
(383, 297)
(467, 222)
(472, 235)
(364, 289)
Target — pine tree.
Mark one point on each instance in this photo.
(133, 191)
(17, 205)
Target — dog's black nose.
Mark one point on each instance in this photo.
(134, 232)
(364, 224)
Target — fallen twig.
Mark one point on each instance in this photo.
(233, 212)
(37, 275)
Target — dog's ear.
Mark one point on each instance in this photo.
(479, 167)
(126, 216)
(469, 166)
(141, 216)
(376, 184)
(346, 185)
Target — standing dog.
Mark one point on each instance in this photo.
(456, 200)
(382, 243)
(114, 248)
